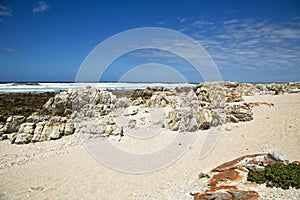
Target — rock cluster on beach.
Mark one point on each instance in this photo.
(90, 113)
(228, 181)
(36, 128)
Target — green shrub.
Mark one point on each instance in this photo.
(277, 175)
(203, 175)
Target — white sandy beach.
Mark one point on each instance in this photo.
(63, 169)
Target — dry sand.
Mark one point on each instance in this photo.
(63, 169)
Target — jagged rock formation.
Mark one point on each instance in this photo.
(35, 128)
(92, 111)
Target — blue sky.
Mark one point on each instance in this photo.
(248, 40)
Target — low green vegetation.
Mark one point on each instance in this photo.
(203, 175)
(277, 175)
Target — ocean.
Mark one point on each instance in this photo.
(35, 87)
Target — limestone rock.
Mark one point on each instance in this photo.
(139, 93)
(279, 158)
(122, 102)
(35, 118)
(159, 100)
(132, 110)
(239, 112)
(13, 123)
(233, 97)
(23, 138)
(131, 123)
(232, 194)
(27, 128)
(173, 120)
(202, 92)
(246, 89)
(205, 119)
(37, 134)
(138, 101)
(57, 130)
(189, 120)
(81, 100)
(69, 128)
(190, 100)
(228, 127)
(231, 84)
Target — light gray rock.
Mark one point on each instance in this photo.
(23, 138)
(57, 130)
(279, 158)
(173, 120)
(246, 89)
(1, 129)
(205, 118)
(138, 101)
(193, 125)
(83, 100)
(27, 127)
(69, 128)
(159, 99)
(132, 110)
(13, 123)
(131, 123)
(218, 117)
(122, 102)
(35, 118)
(239, 113)
(228, 127)
(37, 134)
(232, 118)
(202, 92)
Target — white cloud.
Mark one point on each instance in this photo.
(4, 11)
(232, 21)
(41, 6)
(163, 22)
(7, 49)
(181, 19)
(250, 44)
(260, 46)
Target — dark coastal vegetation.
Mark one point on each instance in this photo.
(22, 104)
(277, 175)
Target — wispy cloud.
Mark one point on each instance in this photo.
(239, 44)
(8, 49)
(181, 19)
(250, 44)
(41, 6)
(162, 22)
(4, 12)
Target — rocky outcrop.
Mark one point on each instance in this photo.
(189, 109)
(161, 99)
(42, 128)
(87, 102)
(233, 97)
(229, 180)
(13, 124)
(246, 89)
(202, 93)
(239, 113)
(189, 120)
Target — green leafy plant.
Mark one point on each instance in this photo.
(277, 175)
(203, 175)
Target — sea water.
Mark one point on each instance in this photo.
(35, 87)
